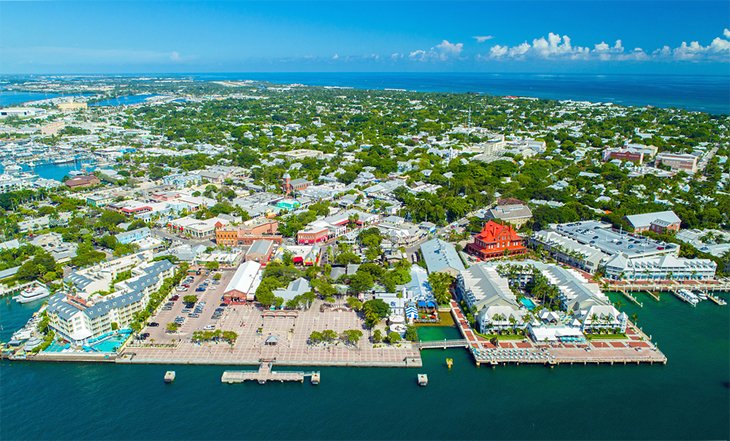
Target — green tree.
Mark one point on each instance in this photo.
(190, 299)
(393, 337)
(361, 281)
(377, 336)
(352, 336)
(440, 284)
(411, 333)
(354, 303)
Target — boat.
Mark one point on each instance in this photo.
(32, 294)
(717, 300)
(75, 173)
(687, 296)
(169, 376)
(32, 343)
(422, 380)
(701, 295)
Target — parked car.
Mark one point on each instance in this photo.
(153, 324)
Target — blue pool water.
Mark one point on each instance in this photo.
(529, 304)
(108, 342)
(57, 347)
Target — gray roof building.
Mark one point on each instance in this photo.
(441, 256)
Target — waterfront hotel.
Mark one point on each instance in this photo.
(592, 245)
(78, 319)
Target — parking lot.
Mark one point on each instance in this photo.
(208, 301)
(264, 334)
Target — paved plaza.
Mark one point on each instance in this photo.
(254, 326)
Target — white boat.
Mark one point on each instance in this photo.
(22, 334)
(687, 296)
(701, 295)
(32, 294)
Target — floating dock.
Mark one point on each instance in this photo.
(264, 374)
(169, 376)
(716, 300)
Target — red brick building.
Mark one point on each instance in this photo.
(246, 234)
(496, 240)
(83, 181)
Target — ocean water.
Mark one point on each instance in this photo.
(686, 399)
(125, 100)
(13, 98)
(697, 93)
(50, 171)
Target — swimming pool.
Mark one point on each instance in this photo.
(529, 304)
(108, 342)
(57, 347)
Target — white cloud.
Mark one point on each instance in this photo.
(482, 38)
(556, 46)
(443, 51)
(175, 56)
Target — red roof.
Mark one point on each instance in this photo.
(493, 231)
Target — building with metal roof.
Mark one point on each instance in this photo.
(441, 256)
(78, 319)
(244, 283)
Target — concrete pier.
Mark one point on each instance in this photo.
(265, 374)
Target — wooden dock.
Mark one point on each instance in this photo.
(265, 374)
(716, 300)
(631, 297)
(654, 295)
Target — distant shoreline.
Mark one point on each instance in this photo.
(702, 93)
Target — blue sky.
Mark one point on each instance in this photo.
(620, 36)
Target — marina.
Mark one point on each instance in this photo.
(686, 296)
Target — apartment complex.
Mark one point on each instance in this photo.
(79, 319)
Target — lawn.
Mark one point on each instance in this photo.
(606, 336)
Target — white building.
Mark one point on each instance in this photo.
(244, 283)
(78, 319)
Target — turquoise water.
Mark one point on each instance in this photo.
(13, 98)
(529, 304)
(57, 347)
(686, 399)
(50, 171)
(109, 342)
(122, 100)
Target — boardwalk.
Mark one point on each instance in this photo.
(669, 285)
(443, 344)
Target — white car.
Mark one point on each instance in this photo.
(208, 327)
